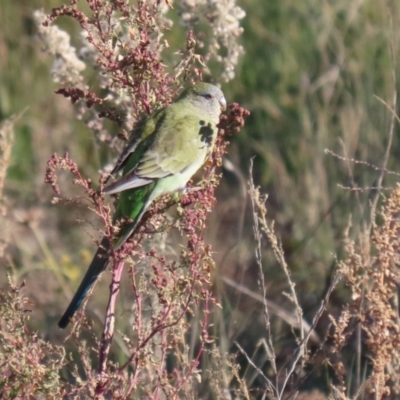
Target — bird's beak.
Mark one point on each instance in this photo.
(222, 103)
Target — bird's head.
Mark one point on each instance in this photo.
(207, 96)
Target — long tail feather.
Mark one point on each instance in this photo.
(141, 199)
(97, 266)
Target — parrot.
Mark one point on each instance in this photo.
(164, 151)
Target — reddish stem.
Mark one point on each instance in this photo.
(138, 300)
(196, 361)
(109, 323)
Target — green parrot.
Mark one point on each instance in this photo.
(165, 150)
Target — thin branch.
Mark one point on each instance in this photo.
(270, 385)
(109, 323)
(274, 308)
(392, 124)
(360, 162)
(257, 236)
(301, 349)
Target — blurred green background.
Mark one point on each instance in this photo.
(311, 75)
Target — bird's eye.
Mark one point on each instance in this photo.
(207, 96)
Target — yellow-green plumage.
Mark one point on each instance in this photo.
(164, 151)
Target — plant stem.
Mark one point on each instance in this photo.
(109, 323)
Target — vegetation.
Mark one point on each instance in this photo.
(298, 293)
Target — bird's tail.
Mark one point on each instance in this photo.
(97, 266)
(141, 199)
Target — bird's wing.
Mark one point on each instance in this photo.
(143, 129)
(175, 144)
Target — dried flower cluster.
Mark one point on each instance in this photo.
(6, 143)
(177, 285)
(367, 328)
(28, 364)
(124, 44)
(372, 275)
(67, 67)
(223, 19)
